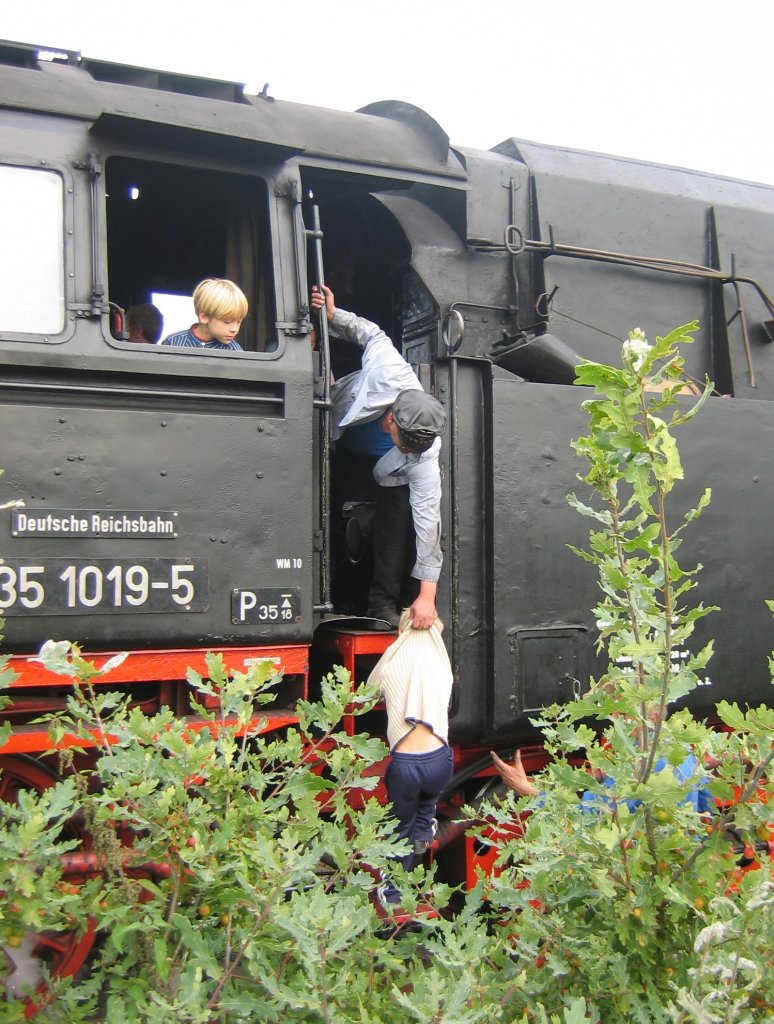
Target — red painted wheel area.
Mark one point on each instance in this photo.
(62, 952)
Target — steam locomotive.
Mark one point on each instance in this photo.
(177, 502)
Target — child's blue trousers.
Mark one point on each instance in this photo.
(414, 783)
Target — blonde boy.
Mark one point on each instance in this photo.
(220, 308)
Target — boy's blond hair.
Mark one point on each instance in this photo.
(220, 298)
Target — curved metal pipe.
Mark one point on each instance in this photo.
(660, 263)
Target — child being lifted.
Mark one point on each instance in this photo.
(415, 679)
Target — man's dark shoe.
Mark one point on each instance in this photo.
(386, 613)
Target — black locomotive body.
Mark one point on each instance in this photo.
(176, 501)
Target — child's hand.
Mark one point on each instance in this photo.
(514, 776)
(319, 299)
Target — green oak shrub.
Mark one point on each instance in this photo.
(624, 893)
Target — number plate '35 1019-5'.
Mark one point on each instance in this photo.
(72, 586)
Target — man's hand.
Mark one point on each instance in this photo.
(423, 613)
(318, 299)
(514, 776)
(423, 610)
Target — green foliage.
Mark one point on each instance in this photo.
(625, 890)
(236, 867)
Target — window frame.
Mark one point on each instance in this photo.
(263, 180)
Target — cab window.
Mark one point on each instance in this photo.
(32, 292)
(171, 226)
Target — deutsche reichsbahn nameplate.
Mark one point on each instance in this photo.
(86, 522)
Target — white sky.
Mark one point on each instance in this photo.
(684, 82)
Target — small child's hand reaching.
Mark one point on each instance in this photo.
(514, 776)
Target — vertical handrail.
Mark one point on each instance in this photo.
(740, 312)
(454, 316)
(325, 605)
(454, 519)
(97, 291)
